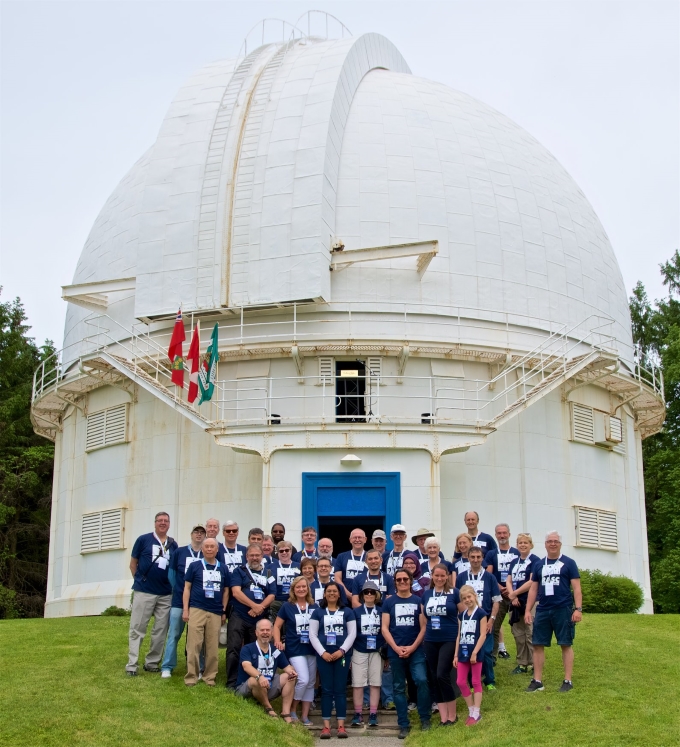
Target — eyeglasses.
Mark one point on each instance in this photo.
(401, 580)
(231, 531)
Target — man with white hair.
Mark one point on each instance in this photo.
(555, 579)
(231, 553)
(212, 528)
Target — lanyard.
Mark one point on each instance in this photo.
(470, 616)
(354, 557)
(267, 655)
(328, 612)
(304, 611)
(380, 578)
(252, 578)
(313, 555)
(230, 552)
(373, 612)
(471, 575)
(191, 552)
(164, 546)
(205, 567)
(520, 567)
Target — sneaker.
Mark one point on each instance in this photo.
(491, 687)
(306, 722)
(519, 670)
(151, 669)
(434, 708)
(534, 685)
(130, 673)
(200, 675)
(342, 734)
(475, 721)
(470, 721)
(566, 686)
(503, 655)
(403, 732)
(389, 706)
(166, 674)
(357, 721)
(373, 720)
(425, 726)
(412, 706)
(325, 733)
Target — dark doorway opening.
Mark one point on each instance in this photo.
(339, 528)
(350, 387)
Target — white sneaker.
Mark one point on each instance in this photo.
(200, 675)
(166, 674)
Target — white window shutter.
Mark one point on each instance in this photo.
(582, 423)
(106, 427)
(102, 530)
(596, 528)
(374, 370)
(326, 373)
(615, 430)
(608, 532)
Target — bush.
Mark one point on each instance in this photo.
(114, 611)
(604, 593)
(666, 583)
(9, 606)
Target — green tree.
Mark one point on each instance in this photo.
(656, 331)
(26, 463)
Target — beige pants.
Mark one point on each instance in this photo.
(525, 651)
(144, 606)
(203, 628)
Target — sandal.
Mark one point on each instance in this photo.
(271, 713)
(287, 718)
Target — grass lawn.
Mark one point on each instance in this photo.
(65, 685)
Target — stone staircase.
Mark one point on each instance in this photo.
(387, 723)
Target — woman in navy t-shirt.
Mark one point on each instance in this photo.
(411, 563)
(518, 583)
(332, 630)
(469, 642)
(441, 607)
(296, 614)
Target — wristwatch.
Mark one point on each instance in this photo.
(493, 617)
(578, 609)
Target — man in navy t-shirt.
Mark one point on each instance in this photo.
(374, 573)
(308, 545)
(149, 565)
(479, 539)
(554, 579)
(258, 667)
(497, 561)
(179, 562)
(204, 607)
(489, 594)
(351, 563)
(253, 589)
(231, 553)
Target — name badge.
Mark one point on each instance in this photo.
(331, 638)
(257, 592)
(371, 642)
(304, 636)
(285, 587)
(318, 594)
(162, 563)
(464, 652)
(188, 561)
(504, 576)
(209, 594)
(436, 623)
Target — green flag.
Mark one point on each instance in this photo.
(207, 375)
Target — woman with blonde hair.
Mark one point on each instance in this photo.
(518, 584)
(460, 556)
(469, 643)
(295, 614)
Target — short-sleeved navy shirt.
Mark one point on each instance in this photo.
(266, 664)
(351, 565)
(369, 625)
(335, 622)
(520, 572)
(214, 578)
(303, 554)
(180, 560)
(151, 576)
(554, 581)
(425, 568)
(484, 583)
(284, 574)
(461, 564)
(483, 540)
(297, 623)
(424, 556)
(317, 589)
(383, 581)
(393, 560)
(500, 561)
(231, 558)
(250, 582)
(441, 613)
(470, 631)
(404, 615)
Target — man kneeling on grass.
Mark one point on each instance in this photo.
(257, 672)
(206, 593)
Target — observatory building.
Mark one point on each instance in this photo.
(419, 314)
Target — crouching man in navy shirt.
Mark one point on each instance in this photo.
(206, 593)
(489, 595)
(253, 589)
(257, 671)
(149, 566)
(553, 579)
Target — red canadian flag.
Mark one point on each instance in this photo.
(175, 352)
(194, 357)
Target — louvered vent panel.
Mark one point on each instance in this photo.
(326, 371)
(96, 428)
(106, 427)
(620, 448)
(102, 530)
(374, 370)
(596, 528)
(582, 423)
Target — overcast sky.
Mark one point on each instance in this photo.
(85, 86)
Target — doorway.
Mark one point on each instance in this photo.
(350, 387)
(337, 502)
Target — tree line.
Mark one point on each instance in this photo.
(26, 459)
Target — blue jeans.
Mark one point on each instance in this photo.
(417, 666)
(175, 630)
(386, 689)
(487, 661)
(333, 676)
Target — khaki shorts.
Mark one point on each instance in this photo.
(366, 669)
(274, 689)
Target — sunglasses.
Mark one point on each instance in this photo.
(368, 591)
(231, 531)
(401, 581)
(284, 549)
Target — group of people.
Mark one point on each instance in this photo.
(414, 629)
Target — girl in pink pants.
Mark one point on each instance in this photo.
(471, 635)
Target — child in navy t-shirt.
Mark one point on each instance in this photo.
(471, 637)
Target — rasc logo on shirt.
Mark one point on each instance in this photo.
(405, 614)
(436, 607)
(333, 625)
(551, 574)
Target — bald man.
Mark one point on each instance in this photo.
(351, 563)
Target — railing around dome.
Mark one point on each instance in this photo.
(269, 400)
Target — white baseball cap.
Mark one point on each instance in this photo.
(398, 528)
